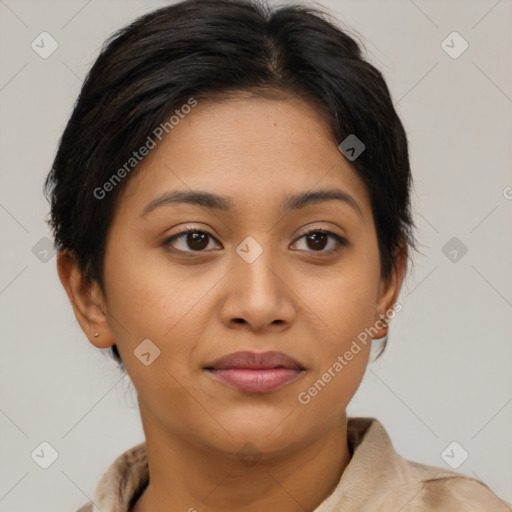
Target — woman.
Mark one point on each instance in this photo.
(230, 202)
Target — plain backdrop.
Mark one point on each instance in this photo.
(445, 375)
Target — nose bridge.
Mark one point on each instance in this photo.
(254, 263)
(257, 293)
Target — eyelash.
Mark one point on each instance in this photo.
(342, 242)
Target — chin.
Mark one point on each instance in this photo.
(268, 432)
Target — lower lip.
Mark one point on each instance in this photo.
(256, 381)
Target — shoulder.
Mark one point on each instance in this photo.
(433, 488)
(397, 483)
(441, 491)
(123, 479)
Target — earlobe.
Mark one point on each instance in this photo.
(86, 299)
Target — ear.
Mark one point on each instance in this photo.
(87, 301)
(389, 290)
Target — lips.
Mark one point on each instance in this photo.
(255, 372)
(255, 361)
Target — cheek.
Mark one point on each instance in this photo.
(150, 298)
(346, 302)
(342, 348)
(147, 293)
(346, 306)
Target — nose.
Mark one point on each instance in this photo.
(257, 296)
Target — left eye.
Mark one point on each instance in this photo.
(322, 240)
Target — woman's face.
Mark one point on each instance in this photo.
(249, 279)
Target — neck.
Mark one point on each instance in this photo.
(188, 478)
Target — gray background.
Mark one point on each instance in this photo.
(446, 373)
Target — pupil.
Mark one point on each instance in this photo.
(319, 240)
(197, 241)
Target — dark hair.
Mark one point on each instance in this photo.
(204, 49)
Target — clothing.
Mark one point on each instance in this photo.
(377, 478)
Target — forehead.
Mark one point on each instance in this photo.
(254, 150)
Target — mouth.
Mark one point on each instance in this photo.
(256, 372)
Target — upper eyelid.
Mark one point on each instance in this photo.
(203, 230)
(186, 232)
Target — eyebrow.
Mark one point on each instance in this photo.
(224, 203)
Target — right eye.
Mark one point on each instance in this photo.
(190, 240)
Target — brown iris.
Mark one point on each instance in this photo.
(317, 241)
(197, 241)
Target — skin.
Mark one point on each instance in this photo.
(305, 300)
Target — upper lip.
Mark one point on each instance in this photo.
(255, 361)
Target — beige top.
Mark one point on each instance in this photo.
(376, 479)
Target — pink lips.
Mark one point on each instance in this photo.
(256, 372)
